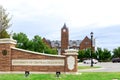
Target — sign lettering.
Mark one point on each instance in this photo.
(38, 62)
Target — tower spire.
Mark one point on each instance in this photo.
(64, 26)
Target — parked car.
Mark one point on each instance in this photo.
(88, 61)
(115, 60)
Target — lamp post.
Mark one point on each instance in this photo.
(91, 34)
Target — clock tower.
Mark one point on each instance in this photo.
(64, 39)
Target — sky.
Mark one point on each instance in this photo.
(47, 17)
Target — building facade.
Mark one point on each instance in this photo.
(65, 43)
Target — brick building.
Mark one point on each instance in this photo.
(65, 43)
(47, 42)
(64, 39)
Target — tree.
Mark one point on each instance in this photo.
(99, 54)
(22, 40)
(103, 55)
(116, 52)
(81, 55)
(85, 54)
(4, 34)
(106, 55)
(36, 44)
(40, 46)
(4, 22)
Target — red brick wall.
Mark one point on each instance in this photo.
(5, 60)
(86, 43)
(16, 54)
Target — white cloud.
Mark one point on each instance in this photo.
(77, 13)
(50, 15)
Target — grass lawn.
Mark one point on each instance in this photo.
(87, 67)
(83, 76)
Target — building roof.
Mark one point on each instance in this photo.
(64, 26)
(74, 43)
(71, 43)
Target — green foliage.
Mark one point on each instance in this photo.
(4, 34)
(22, 40)
(87, 67)
(106, 55)
(85, 54)
(83, 76)
(81, 55)
(36, 44)
(103, 55)
(4, 23)
(116, 52)
(99, 53)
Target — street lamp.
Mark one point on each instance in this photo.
(91, 34)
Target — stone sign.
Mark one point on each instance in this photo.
(15, 59)
(38, 62)
(71, 62)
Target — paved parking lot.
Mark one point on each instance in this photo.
(105, 67)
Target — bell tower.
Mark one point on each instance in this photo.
(64, 39)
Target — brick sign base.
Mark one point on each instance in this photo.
(15, 59)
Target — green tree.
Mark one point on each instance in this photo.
(87, 53)
(103, 55)
(36, 44)
(40, 46)
(4, 34)
(106, 55)
(116, 52)
(22, 40)
(51, 51)
(81, 55)
(4, 23)
(99, 54)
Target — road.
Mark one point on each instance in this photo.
(105, 67)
